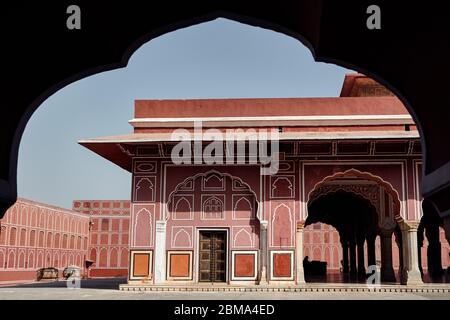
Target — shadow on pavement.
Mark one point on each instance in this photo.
(109, 283)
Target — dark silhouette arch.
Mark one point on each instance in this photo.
(414, 38)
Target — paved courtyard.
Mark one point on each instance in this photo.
(107, 289)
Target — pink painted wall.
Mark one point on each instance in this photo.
(35, 235)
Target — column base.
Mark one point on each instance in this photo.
(300, 277)
(412, 278)
(263, 277)
(388, 275)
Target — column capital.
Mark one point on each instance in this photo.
(161, 225)
(386, 233)
(263, 224)
(300, 225)
(409, 225)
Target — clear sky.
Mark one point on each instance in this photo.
(218, 59)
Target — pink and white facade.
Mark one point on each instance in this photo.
(35, 235)
(228, 222)
(108, 247)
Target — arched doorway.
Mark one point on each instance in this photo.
(361, 214)
(213, 229)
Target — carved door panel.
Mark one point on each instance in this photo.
(212, 256)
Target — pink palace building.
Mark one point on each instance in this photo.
(217, 213)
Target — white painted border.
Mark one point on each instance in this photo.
(252, 235)
(292, 166)
(272, 252)
(255, 262)
(205, 197)
(152, 180)
(150, 264)
(163, 187)
(171, 252)
(138, 162)
(209, 176)
(273, 179)
(172, 236)
(293, 221)
(252, 205)
(191, 206)
(400, 162)
(132, 234)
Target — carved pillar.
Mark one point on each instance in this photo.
(352, 250)
(361, 259)
(398, 241)
(447, 228)
(387, 269)
(344, 244)
(300, 274)
(160, 252)
(411, 273)
(371, 252)
(434, 256)
(263, 252)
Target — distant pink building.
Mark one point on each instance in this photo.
(108, 237)
(35, 235)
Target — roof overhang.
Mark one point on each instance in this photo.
(117, 148)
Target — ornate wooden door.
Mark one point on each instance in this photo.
(212, 256)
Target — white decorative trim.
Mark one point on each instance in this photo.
(251, 203)
(138, 163)
(174, 235)
(242, 229)
(206, 197)
(180, 197)
(164, 186)
(263, 121)
(152, 180)
(150, 209)
(274, 179)
(150, 263)
(291, 253)
(282, 204)
(255, 262)
(212, 176)
(303, 163)
(174, 252)
(291, 168)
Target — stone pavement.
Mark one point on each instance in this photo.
(107, 289)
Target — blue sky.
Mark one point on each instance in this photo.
(218, 59)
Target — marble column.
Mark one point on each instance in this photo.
(411, 273)
(160, 252)
(344, 244)
(300, 274)
(387, 268)
(263, 252)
